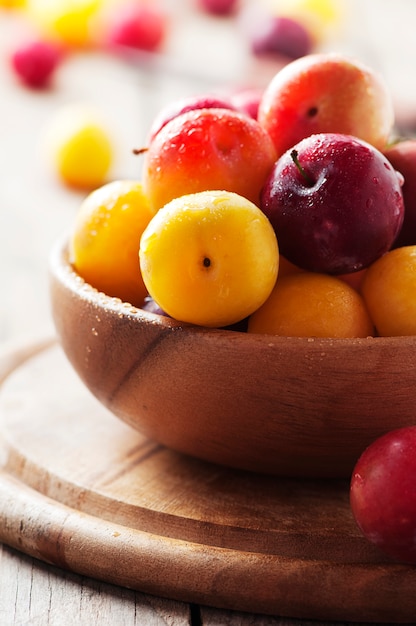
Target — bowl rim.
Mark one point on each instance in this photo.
(61, 268)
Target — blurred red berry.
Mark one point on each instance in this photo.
(218, 7)
(34, 62)
(142, 27)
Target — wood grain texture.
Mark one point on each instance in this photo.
(81, 490)
(34, 593)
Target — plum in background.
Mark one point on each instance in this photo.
(281, 35)
(247, 101)
(383, 494)
(183, 105)
(152, 307)
(402, 156)
(218, 7)
(335, 203)
(137, 25)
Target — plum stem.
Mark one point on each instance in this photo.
(137, 151)
(308, 179)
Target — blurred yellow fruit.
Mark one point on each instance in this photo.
(71, 22)
(80, 147)
(306, 304)
(209, 258)
(12, 4)
(104, 244)
(389, 289)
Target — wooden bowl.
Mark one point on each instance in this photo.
(292, 406)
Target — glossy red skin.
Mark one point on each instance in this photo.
(383, 494)
(347, 218)
(207, 149)
(326, 93)
(177, 107)
(402, 156)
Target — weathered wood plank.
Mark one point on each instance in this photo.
(34, 593)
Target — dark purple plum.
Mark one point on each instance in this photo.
(402, 156)
(152, 307)
(335, 202)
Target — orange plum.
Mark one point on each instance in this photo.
(389, 289)
(309, 304)
(104, 243)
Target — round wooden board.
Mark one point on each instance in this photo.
(81, 490)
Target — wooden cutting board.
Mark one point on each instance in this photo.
(81, 490)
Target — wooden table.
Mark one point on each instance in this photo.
(35, 209)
